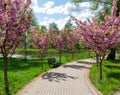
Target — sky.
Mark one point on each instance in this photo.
(58, 11)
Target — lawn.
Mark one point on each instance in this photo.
(21, 72)
(111, 77)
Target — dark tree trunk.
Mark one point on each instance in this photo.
(101, 58)
(100, 70)
(6, 74)
(60, 56)
(72, 54)
(111, 55)
(67, 54)
(97, 60)
(25, 47)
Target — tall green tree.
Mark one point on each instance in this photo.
(68, 24)
(54, 27)
(43, 28)
(96, 7)
(34, 20)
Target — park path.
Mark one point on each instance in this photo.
(69, 79)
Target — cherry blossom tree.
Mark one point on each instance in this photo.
(15, 17)
(101, 37)
(70, 38)
(52, 36)
(40, 40)
(59, 43)
(65, 37)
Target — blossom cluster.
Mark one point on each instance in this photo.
(15, 18)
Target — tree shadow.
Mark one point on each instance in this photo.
(84, 62)
(115, 75)
(75, 66)
(15, 64)
(112, 66)
(57, 77)
(116, 61)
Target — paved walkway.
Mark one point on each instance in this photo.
(69, 79)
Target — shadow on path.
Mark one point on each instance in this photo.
(85, 62)
(75, 66)
(57, 77)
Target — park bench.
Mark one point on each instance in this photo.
(52, 61)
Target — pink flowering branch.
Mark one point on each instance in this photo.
(40, 41)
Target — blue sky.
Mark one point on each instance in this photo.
(58, 11)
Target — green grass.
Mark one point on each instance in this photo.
(21, 72)
(111, 77)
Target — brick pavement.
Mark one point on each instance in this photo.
(69, 79)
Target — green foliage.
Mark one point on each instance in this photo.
(111, 77)
(43, 28)
(54, 27)
(79, 1)
(34, 20)
(68, 24)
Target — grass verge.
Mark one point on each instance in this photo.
(111, 77)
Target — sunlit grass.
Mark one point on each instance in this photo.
(111, 77)
(20, 72)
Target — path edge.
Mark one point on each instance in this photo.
(89, 82)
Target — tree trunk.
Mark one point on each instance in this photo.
(67, 54)
(100, 70)
(6, 74)
(60, 56)
(72, 54)
(100, 62)
(111, 55)
(25, 47)
(97, 60)
(89, 54)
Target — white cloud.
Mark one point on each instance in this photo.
(68, 8)
(35, 2)
(38, 9)
(82, 15)
(60, 22)
(50, 9)
(49, 4)
(84, 4)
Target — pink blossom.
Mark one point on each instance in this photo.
(15, 19)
